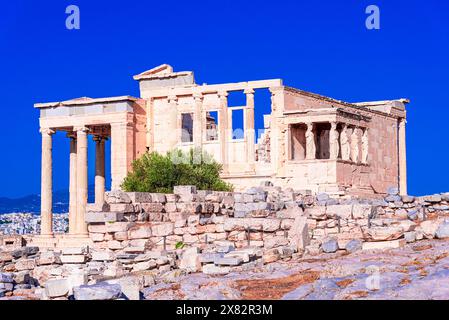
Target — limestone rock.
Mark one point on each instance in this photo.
(299, 233)
(214, 270)
(117, 196)
(429, 228)
(443, 230)
(99, 291)
(330, 246)
(410, 236)
(57, 288)
(383, 245)
(190, 260)
(354, 245)
(384, 233)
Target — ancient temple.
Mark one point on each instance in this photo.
(308, 141)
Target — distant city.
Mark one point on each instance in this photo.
(22, 215)
(29, 223)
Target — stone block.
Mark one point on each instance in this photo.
(97, 228)
(233, 261)
(213, 270)
(140, 197)
(73, 259)
(145, 265)
(99, 291)
(210, 257)
(190, 260)
(122, 207)
(117, 196)
(383, 245)
(158, 198)
(152, 207)
(443, 230)
(103, 256)
(162, 229)
(57, 288)
(384, 233)
(140, 231)
(25, 264)
(182, 190)
(102, 217)
(130, 287)
(118, 226)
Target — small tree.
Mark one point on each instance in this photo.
(154, 172)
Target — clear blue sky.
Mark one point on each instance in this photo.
(319, 46)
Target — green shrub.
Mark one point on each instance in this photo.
(154, 172)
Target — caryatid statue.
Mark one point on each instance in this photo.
(344, 142)
(355, 145)
(333, 141)
(310, 142)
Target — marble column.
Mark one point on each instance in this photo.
(249, 129)
(47, 183)
(72, 184)
(99, 170)
(81, 180)
(365, 146)
(402, 158)
(333, 142)
(224, 130)
(198, 121)
(310, 142)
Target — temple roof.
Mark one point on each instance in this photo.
(84, 101)
(161, 71)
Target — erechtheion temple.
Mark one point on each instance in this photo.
(309, 141)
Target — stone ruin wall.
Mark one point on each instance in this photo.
(212, 231)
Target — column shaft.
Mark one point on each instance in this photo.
(81, 180)
(99, 170)
(46, 183)
(72, 185)
(250, 128)
(224, 130)
(402, 158)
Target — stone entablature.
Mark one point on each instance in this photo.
(309, 141)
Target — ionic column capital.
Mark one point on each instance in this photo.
(100, 138)
(248, 91)
(81, 129)
(47, 131)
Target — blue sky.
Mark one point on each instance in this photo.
(319, 46)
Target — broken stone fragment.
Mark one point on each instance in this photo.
(214, 270)
(410, 236)
(190, 260)
(57, 288)
(443, 230)
(384, 233)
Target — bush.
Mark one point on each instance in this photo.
(154, 172)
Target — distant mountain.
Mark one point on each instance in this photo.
(32, 203)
